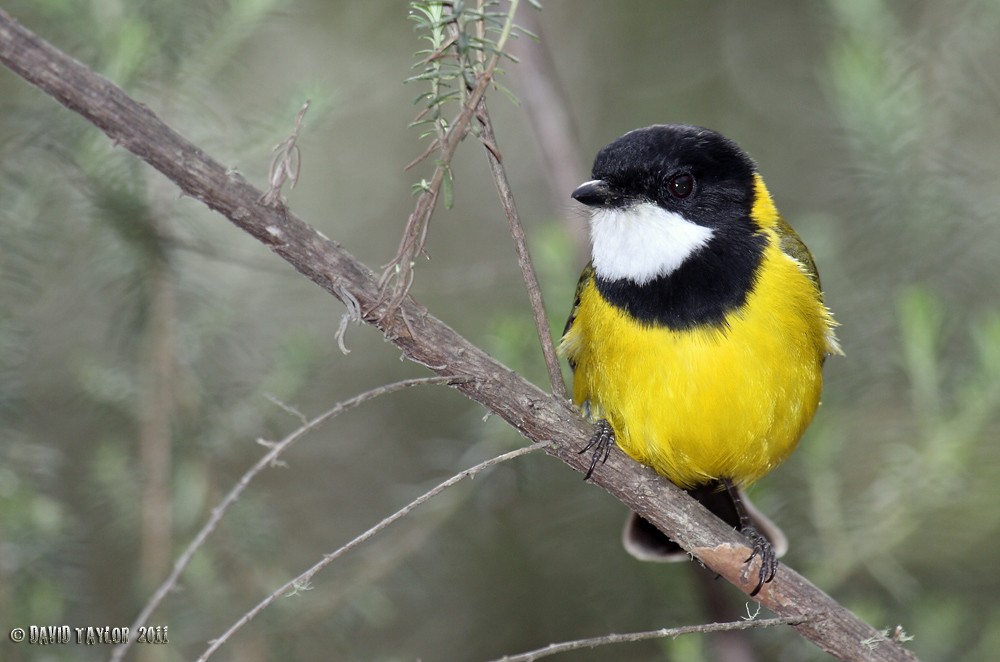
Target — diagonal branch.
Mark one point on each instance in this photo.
(429, 341)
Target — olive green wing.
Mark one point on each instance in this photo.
(793, 246)
(588, 273)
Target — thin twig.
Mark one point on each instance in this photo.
(303, 579)
(594, 642)
(286, 162)
(267, 460)
(400, 269)
(287, 408)
(523, 256)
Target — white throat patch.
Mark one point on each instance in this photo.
(643, 242)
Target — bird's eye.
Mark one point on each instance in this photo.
(680, 186)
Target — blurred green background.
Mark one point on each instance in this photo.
(140, 334)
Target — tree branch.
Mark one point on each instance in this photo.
(428, 341)
(663, 633)
(268, 459)
(523, 256)
(303, 579)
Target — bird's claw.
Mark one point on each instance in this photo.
(600, 443)
(763, 549)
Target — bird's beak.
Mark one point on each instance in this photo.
(594, 193)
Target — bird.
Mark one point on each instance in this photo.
(698, 333)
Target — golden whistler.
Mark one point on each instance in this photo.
(698, 334)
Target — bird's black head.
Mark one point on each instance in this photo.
(674, 238)
(695, 172)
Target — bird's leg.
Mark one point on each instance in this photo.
(761, 546)
(600, 443)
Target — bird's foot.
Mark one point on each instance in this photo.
(601, 444)
(762, 549)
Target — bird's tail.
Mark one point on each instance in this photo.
(647, 543)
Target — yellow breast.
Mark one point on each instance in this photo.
(707, 403)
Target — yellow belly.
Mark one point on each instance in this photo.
(712, 403)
